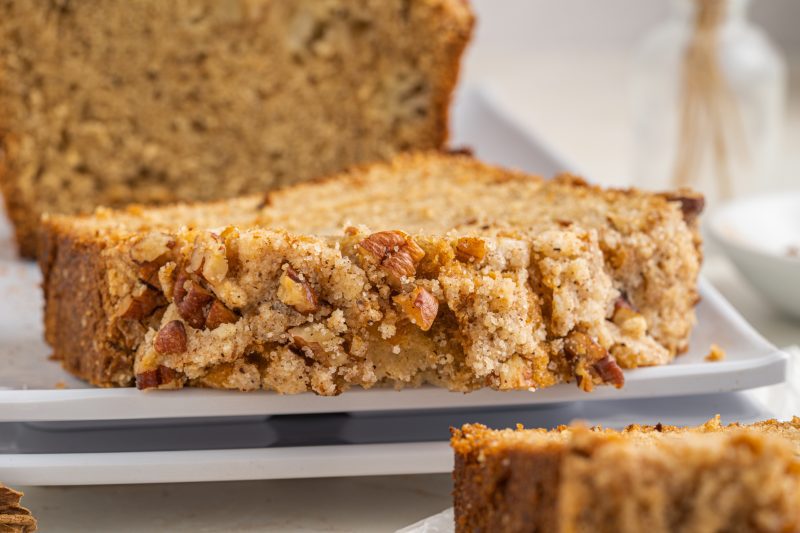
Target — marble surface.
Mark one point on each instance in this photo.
(583, 112)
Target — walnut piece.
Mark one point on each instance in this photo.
(156, 378)
(219, 314)
(171, 339)
(295, 291)
(420, 306)
(395, 252)
(470, 249)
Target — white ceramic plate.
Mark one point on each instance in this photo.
(407, 442)
(762, 237)
(33, 388)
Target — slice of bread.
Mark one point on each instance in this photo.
(106, 102)
(657, 479)
(430, 268)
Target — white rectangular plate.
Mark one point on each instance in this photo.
(407, 442)
(33, 388)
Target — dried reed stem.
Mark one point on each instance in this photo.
(709, 113)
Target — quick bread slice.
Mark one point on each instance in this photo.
(430, 268)
(107, 102)
(711, 478)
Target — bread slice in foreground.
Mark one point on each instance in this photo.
(431, 268)
(711, 478)
(13, 517)
(108, 102)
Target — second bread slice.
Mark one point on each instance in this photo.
(432, 268)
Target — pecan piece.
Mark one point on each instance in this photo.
(141, 303)
(609, 371)
(154, 378)
(295, 291)
(219, 314)
(171, 338)
(470, 249)
(150, 247)
(691, 203)
(589, 359)
(395, 252)
(193, 305)
(420, 306)
(148, 273)
(579, 345)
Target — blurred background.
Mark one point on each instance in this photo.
(565, 70)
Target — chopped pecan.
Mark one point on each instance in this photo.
(151, 246)
(420, 306)
(171, 338)
(579, 345)
(148, 273)
(590, 359)
(193, 305)
(219, 314)
(628, 319)
(296, 292)
(691, 203)
(395, 252)
(609, 371)
(470, 249)
(230, 237)
(141, 303)
(154, 378)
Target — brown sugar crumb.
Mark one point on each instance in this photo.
(645, 478)
(715, 353)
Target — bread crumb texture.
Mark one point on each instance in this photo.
(107, 102)
(431, 268)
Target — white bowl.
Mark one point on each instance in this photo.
(761, 235)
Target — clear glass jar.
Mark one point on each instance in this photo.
(754, 74)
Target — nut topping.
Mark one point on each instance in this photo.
(171, 339)
(154, 378)
(470, 249)
(218, 314)
(691, 203)
(590, 359)
(609, 371)
(395, 252)
(193, 305)
(151, 247)
(295, 292)
(141, 303)
(148, 273)
(420, 306)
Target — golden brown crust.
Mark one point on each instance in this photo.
(76, 321)
(656, 477)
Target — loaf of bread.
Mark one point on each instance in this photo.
(656, 479)
(108, 102)
(430, 268)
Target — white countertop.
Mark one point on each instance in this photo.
(582, 112)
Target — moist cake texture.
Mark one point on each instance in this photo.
(106, 102)
(431, 268)
(711, 478)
